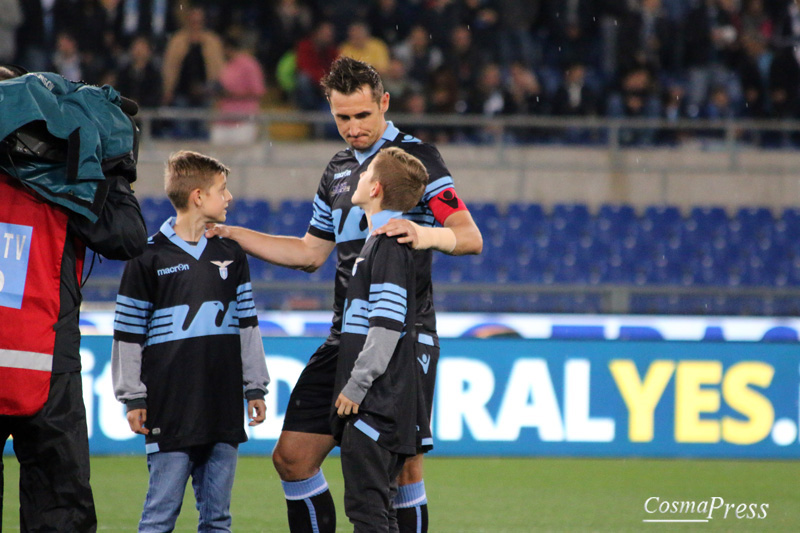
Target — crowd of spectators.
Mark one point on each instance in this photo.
(671, 59)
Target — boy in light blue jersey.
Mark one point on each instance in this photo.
(377, 387)
(187, 349)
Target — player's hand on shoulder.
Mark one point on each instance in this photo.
(256, 412)
(217, 230)
(407, 232)
(345, 406)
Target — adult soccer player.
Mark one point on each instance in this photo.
(358, 103)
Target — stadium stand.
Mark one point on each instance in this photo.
(630, 60)
(560, 259)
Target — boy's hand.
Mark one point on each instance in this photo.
(136, 420)
(345, 406)
(256, 412)
(217, 230)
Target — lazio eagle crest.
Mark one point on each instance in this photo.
(223, 268)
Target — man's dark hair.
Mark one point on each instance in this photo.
(348, 75)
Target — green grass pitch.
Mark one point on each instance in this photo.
(490, 495)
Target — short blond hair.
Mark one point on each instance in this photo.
(187, 171)
(402, 176)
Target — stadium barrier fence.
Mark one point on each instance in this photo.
(534, 397)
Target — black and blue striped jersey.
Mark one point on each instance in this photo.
(185, 306)
(381, 293)
(335, 218)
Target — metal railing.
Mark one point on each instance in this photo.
(731, 136)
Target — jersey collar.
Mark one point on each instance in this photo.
(169, 232)
(382, 217)
(388, 135)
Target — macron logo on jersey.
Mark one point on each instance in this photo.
(355, 266)
(171, 270)
(342, 174)
(425, 362)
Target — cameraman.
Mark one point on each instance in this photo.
(52, 444)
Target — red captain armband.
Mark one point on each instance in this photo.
(445, 204)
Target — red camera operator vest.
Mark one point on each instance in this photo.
(32, 237)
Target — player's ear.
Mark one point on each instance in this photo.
(384, 104)
(375, 189)
(196, 197)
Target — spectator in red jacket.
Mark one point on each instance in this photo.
(315, 54)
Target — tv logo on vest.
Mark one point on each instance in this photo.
(15, 247)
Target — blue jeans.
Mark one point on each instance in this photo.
(212, 468)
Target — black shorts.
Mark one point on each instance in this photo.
(309, 409)
(427, 353)
(311, 400)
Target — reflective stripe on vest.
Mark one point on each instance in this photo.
(32, 237)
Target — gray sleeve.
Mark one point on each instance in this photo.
(126, 371)
(254, 363)
(371, 363)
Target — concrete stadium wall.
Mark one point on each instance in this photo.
(697, 174)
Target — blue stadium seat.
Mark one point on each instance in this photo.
(570, 220)
(257, 269)
(615, 222)
(707, 221)
(616, 216)
(757, 216)
(791, 221)
(661, 219)
(326, 272)
(288, 274)
(250, 213)
(519, 214)
(618, 270)
(292, 218)
(664, 272)
(523, 244)
(155, 211)
(482, 211)
(446, 268)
